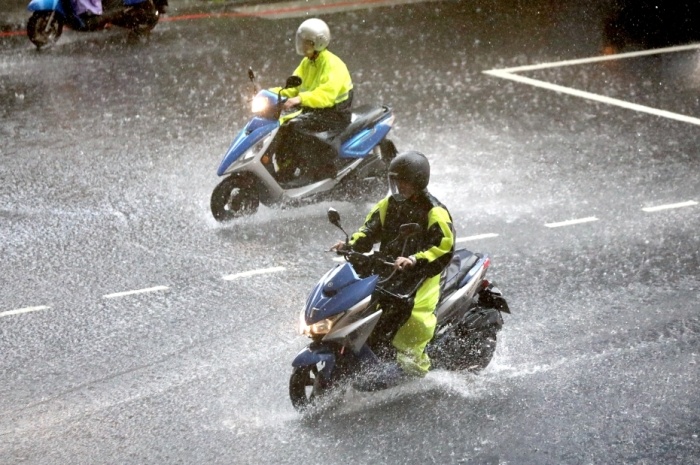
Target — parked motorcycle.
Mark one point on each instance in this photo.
(343, 310)
(45, 25)
(253, 174)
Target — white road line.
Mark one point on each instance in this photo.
(476, 238)
(245, 274)
(138, 291)
(507, 73)
(595, 97)
(24, 310)
(571, 222)
(583, 61)
(670, 206)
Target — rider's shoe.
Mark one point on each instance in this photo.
(385, 376)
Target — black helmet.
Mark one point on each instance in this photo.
(412, 167)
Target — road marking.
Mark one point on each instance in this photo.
(508, 73)
(137, 291)
(670, 206)
(571, 222)
(245, 274)
(476, 238)
(24, 310)
(583, 61)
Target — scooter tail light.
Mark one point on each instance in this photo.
(487, 262)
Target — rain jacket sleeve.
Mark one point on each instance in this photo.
(371, 231)
(441, 240)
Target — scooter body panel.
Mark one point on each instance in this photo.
(46, 5)
(255, 131)
(337, 291)
(363, 142)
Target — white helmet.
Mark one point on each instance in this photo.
(313, 30)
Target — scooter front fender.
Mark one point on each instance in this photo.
(312, 356)
(254, 132)
(45, 5)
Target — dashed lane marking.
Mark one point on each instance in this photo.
(276, 269)
(137, 291)
(571, 222)
(245, 274)
(475, 238)
(24, 310)
(670, 206)
(509, 73)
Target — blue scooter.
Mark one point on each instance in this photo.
(342, 313)
(45, 25)
(252, 175)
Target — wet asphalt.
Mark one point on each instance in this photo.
(109, 154)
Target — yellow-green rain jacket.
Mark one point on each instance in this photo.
(325, 81)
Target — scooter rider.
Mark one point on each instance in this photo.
(89, 11)
(92, 13)
(409, 329)
(325, 97)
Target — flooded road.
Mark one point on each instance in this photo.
(122, 342)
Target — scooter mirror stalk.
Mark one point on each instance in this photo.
(409, 229)
(334, 218)
(251, 76)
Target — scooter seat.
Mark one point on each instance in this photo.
(462, 261)
(363, 117)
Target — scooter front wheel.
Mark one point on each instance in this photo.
(44, 28)
(305, 386)
(234, 197)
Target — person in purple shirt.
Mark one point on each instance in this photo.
(90, 7)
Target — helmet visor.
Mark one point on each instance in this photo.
(303, 46)
(394, 188)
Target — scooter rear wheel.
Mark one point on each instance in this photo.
(44, 28)
(457, 352)
(234, 197)
(304, 387)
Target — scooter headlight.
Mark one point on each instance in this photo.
(260, 104)
(319, 328)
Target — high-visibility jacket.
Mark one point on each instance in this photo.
(433, 247)
(325, 81)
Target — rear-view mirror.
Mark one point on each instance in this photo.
(292, 81)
